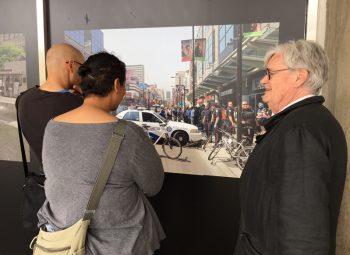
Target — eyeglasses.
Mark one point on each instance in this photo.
(75, 62)
(269, 72)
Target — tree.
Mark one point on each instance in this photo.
(10, 52)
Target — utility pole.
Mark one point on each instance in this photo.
(180, 86)
(184, 96)
(239, 81)
(193, 71)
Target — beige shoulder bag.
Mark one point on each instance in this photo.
(71, 241)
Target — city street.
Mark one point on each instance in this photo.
(195, 161)
(9, 143)
(7, 109)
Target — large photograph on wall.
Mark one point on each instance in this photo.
(13, 81)
(181, 87)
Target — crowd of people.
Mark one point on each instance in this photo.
(70, 133)
(212, 117)
(290, 190)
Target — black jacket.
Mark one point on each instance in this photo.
(36, 107)
(292, 185)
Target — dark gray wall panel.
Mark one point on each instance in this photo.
(108, 14)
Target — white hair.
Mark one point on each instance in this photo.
(306, 55)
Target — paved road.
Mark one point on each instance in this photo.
(192, 161)
(7, 109)
(195, 161)
(9, 143)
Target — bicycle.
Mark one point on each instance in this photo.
(172, 148)
(238, 151)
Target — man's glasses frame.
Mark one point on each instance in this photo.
(269, 72)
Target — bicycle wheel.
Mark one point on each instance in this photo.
(172, 148)
(214, 151)
(205, 143)
(208, 139)
(242, 156)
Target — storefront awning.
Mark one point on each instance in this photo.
(253, 52)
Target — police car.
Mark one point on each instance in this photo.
(181, 131)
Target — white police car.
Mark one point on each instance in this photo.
(181, 131)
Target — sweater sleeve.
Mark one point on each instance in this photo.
(302, 195)
(147, 167)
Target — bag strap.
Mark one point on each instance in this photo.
(23, 152)
(106, 168)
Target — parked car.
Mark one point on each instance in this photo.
(181, 131)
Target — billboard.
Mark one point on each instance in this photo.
(199, 49)
(252, 30)
(186, 50)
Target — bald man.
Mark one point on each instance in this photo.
(39, 104)
(35, 107)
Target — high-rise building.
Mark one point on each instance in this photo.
(13, 71)
(168, 95)
(137, 71)
(87, 41)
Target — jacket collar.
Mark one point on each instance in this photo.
(271, 122)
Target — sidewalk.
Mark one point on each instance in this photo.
(222, 161)
(7, 100)
(194, 160)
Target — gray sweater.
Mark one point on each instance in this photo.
(125, 222)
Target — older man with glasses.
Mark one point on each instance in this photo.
(292, 185)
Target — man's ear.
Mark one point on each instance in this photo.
(70, 64)
(117, 86)
(302, 77)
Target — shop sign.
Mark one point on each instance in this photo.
(226, 92)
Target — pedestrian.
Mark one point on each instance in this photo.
(248, 122)
(206, 119)
(169, 114)
(292, 184)
(212, 120)
(124, 221)
(230, 124)
(220, 117)
(162, 113)
(175, 113)
(185, 115)
(193, 115)
(261, 116)
(196, 117)
(36, 106)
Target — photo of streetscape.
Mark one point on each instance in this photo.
(184, 78)
(181, 82)
(13, 80)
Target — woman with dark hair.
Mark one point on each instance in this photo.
(74, 145)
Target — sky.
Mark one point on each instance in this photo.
(158, 49)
